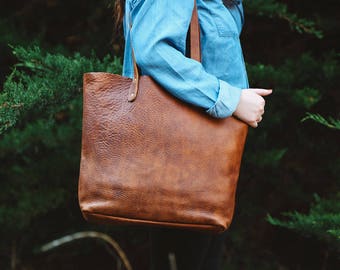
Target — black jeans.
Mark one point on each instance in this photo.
(191, 250)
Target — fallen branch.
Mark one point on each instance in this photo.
(88, 234)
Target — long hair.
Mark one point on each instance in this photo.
(120, 6)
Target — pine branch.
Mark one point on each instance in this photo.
(274, 9)
(41, 81)
(322, 221)
(330, 122)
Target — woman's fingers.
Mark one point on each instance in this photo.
(262, 92)
(251, 106)
(254, 124)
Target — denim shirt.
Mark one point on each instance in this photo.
(158, 37)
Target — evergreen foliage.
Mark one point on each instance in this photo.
(330, 122)
(291, 166)
(275, 9)
(322, 221)
(43, 82)
(40, 116)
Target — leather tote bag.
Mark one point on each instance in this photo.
(148, 158)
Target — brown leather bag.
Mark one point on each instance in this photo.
(148, 158)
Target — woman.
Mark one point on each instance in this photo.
(157, 32)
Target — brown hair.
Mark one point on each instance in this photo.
(120, 6)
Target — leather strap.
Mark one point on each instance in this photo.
(195, 44)
(195, 51)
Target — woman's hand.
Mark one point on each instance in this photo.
(251, 106)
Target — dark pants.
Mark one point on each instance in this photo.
(188, 250)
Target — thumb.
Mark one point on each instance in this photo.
(262, 92)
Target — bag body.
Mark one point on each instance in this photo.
(148, 158)
(155, 160)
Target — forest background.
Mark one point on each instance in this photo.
(288, 209)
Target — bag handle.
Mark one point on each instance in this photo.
(195, 44)
(195, 52)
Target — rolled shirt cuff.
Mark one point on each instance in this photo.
(227, 101)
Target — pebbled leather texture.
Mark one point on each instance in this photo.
(157, 160)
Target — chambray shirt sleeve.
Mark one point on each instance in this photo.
(158, 36)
